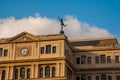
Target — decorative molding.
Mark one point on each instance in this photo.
(18, 51)
(23, 38)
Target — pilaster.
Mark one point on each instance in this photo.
(36, 70)
(32, 70)
(11, 69)
(57, 69)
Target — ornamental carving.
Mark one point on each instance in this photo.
(23, 38)
(23, 51)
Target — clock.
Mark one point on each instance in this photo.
(24, 51)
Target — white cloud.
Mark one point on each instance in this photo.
(42, 26)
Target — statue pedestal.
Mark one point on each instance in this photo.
(61, 32)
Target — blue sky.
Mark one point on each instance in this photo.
(101, 13)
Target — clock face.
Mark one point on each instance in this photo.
(24, 51)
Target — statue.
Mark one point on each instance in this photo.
(62, 25)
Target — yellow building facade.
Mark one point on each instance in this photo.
(53, 57)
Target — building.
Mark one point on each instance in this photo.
(53, 57)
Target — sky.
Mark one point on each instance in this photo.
(84, 18)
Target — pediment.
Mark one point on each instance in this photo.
(23, 37)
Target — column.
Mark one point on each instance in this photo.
(113, 75)
(25, 72)
(11, 69)
(50, 71)
(7, 72)
(57, 69)
(43, 71)
(36, 70)
(62, 69)
(33, 71)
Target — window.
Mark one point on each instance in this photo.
(97, 59)
(97, 78)
(22, 73)
(53, 72)
(1, 49)
(109, 77)
(117, 59)
(47, 71)
(54, 49)
(77, 60)
(118, 78)
(5, 52)
(108, 59)
(77, 78)
(89, 60)
(42, 50)
(89, 78)
(48, 49)
(102, 58)
(83, 59)
(3, 75)
(28, 73)
(83, 77)
(41, 72)
(16, 74)
(103, 77)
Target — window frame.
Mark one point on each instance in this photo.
(83, 77)
(89, 77)
(117, 77)
(42, 50)
(48, 49)
(108, 59)
(89, 60)
(3, 75)
(47, 71)
(77, 78)
(5, 52)
(1, 52)
(22, 73)
(97, 78)
(83, 59)
(53, 71)
(109, 77)
(16, 74)
(41, 72)
(103, 77)
(28, 73)
(54, 49)
(102, 59)
(117, 59)
(97, 59)
(77, 60)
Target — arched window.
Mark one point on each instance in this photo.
(77, 78)
(47, 71)
(3, 75)
(22, 73)
(16, 74)
(109, 77)
(89, 78)
(97, 78)
(53, 71)
(28, 73)
(103, 77)
(118, 78)
(41, 72)
(83, 77)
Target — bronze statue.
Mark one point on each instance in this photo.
(62, 25)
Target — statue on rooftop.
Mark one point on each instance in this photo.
(62, 25)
